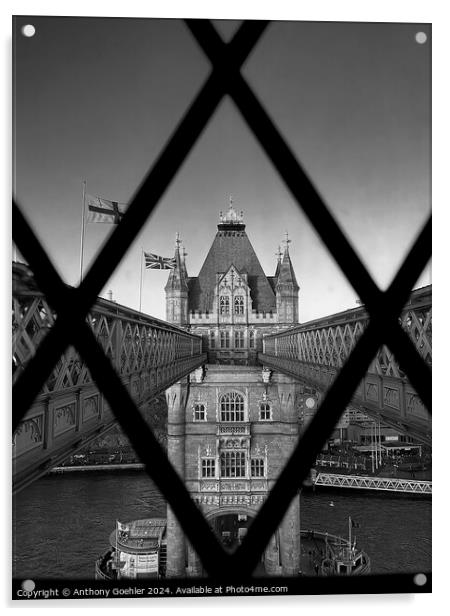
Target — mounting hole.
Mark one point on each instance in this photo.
(28, 585)
(421, 38)
(28, 30)
(420, 579)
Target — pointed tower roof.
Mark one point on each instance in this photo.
(183, 255)
(285, 271)
(177, 280)
(231, 246)
(278, 255)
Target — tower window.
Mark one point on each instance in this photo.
(251, 338)
(208, 467)
(224, 303)
(238, 304)
(239, 340)
(224, 340)
(199, 412)
(257, 467)
(232, 464)
(265, 411)
(232, 407)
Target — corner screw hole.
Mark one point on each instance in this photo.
(28, 30)
(420, 579)
(421, 38)
(28, 585)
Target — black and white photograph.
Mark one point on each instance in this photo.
(221, 308)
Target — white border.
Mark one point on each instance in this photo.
(434, 11)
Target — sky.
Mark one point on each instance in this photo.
(96, 99)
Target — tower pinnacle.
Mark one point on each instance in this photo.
(286, 242)
(231, 217)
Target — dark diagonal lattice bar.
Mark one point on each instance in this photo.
(336, 399)
(72, 306)
(307, 196)
(140, 208)
(140, 434)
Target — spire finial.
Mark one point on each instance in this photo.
(279, 254)
(177, 240)
(231, 217)
(286, 242)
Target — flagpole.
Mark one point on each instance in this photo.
(140, 287)
(117, 553)
(82, 230)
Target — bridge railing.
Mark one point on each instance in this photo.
(148, 354)
(317, 350)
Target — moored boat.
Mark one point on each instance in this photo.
(139, 550)
(325, 555)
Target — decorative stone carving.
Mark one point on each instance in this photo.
(234, 443)
(90, 408)
(371, 392)
(28, 435)
(209, 486)
(64, 418)
(198, 375)
(234, 486)
(259, 485)
(135, 389)
(266, 374)
(414, 405)
(233, 429)
(391, 397)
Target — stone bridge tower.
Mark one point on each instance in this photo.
(233, 425)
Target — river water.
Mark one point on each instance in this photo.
(62, 523)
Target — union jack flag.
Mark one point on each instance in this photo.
(156, 262)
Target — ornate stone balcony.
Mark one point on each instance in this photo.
(233, 484)
(233, 429)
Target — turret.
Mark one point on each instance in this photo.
(286, 288)
(177, 290)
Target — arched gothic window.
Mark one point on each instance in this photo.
(239, 339)
(238, 304)
(265, 411)
(232, 407)
(224, 340)
(199, 412)
(224, 304)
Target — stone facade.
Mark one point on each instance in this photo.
(231, 424)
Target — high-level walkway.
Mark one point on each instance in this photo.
(315, 352)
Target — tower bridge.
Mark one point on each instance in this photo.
(233, 362)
